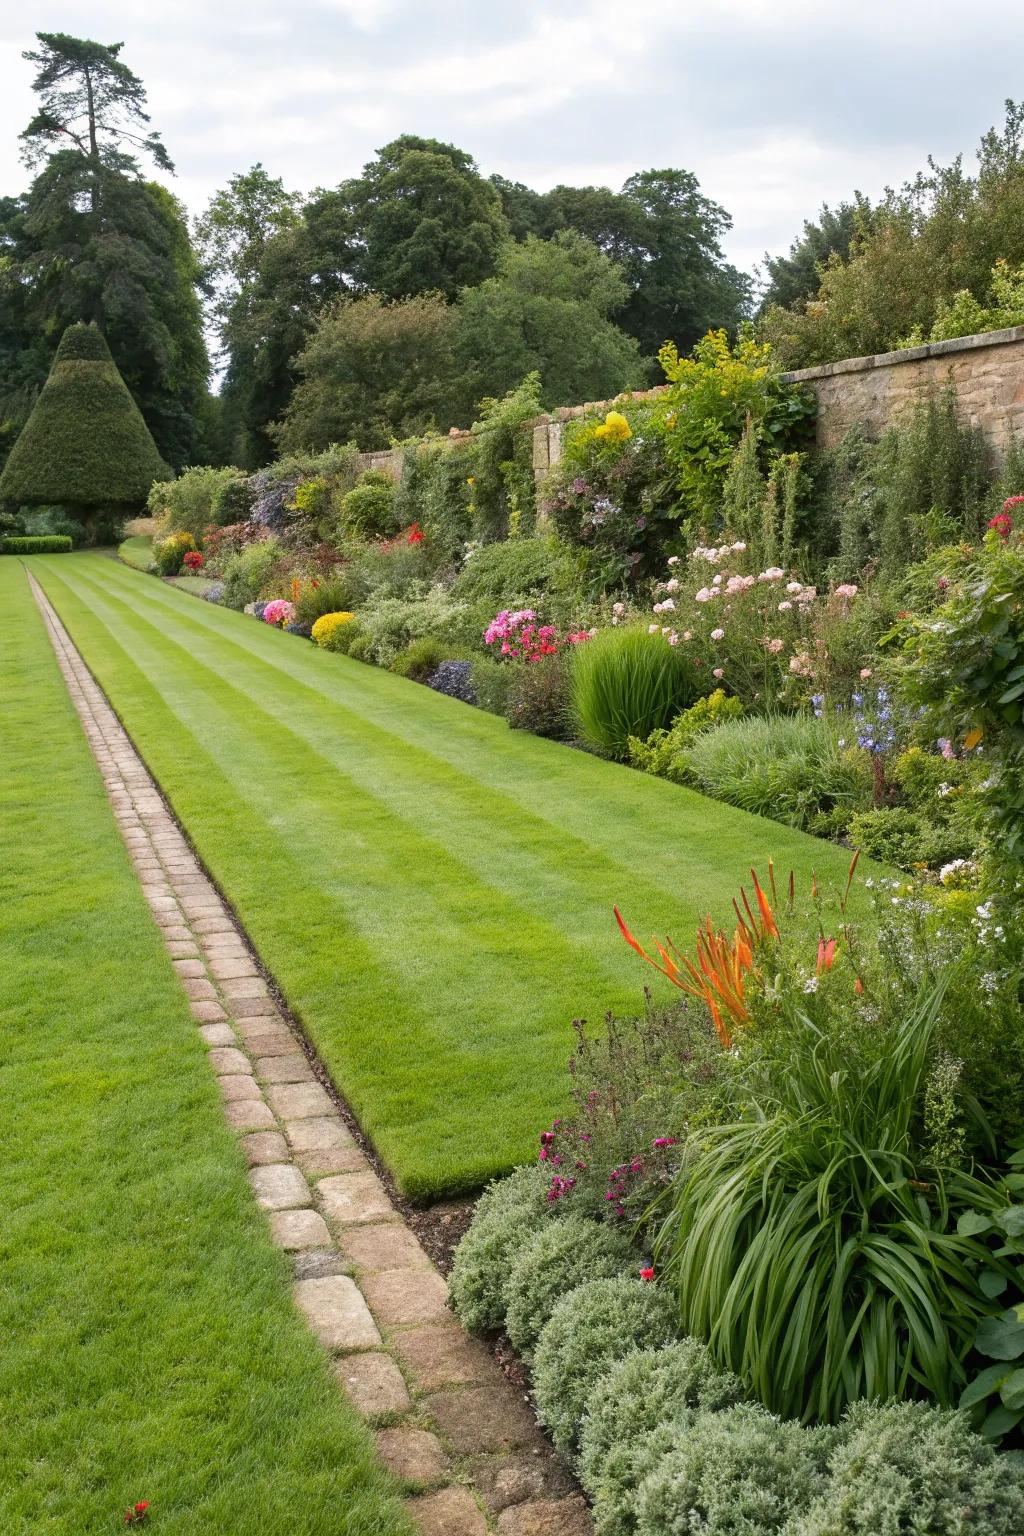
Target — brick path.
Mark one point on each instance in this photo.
(449, 1424)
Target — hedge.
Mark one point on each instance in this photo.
(85, 445)
(38, 544)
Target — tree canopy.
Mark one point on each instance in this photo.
(92, 241)
(936, 238)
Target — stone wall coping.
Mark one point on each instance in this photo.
(1011, 334)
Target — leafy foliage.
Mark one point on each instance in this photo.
(996, 1394)
(85, 445)
(590, 1329)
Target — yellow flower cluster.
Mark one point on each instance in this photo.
(328, 624)
(614, 428)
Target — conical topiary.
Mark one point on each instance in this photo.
(85, 445)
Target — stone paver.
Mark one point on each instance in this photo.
(217, 1034)
(450, 1512)
(265, 1147)
(479, 1414)
(398, 1296)
(351, 1197)
(374, 1384)
(249, 1115)
(487, 1418)
(316, 1134)
(414, 1455)
(298, 1101)
(295, 1229)
(290, 1068)
(547, 1517)
(387, 1246)
(239, 1087)
(337, 1313)
(226, 1060)
(444, 1357)
(279, 1186)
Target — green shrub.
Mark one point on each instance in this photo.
(85, 446)
(435, 491)
(811, 1239)
(561, 1256)
(514, 571)
(369, 507)
(589, 1330)
(634, 1416)
(491, 683)
(388, 570)
(507, 1211)
(41, 544)
(908, 1467)
(186, 505)
(894, 835)
(232, 500)
(56, 522)
(741, 1472)
(171, 551)
(392, 623)
(664, 753)
(538, 698)
(353, 641)
(330, 594)
(247, 571)
(421, 659)
(790, 768)
(626, 682)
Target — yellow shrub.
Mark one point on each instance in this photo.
(327, 625)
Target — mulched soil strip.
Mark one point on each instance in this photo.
(453, 1416)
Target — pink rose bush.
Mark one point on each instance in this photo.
(519, 637)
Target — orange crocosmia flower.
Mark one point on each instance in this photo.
(826, 955)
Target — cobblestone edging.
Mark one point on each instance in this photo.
(448, 1422)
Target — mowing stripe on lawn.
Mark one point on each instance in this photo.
(151, 1350)
(432, 891)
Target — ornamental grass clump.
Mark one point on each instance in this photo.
(909, 1467)
(741, 1472)
(813, 1240)
(561, 1256)
(635, 1414)
(589, 1330)
(627, 682)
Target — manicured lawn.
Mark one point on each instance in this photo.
(150, 1349)
(137, 551)
(433, 891)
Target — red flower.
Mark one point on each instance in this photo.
(138, 1514)
(415, 535)
(1002, 523)
(648, 1273)
(193, 561)
(1011, 502)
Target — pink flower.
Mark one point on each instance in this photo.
(785, 607)
(718, 634)
(672, 560)
(664, 1141)
(847, 589)
(718, 672)
(704, 595)
(775, 646)
(864, 674)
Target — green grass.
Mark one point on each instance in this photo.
(433, 892)
(150, 1347)
(137, 551)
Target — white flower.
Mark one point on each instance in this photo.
(669, 605)
(794, 586)
(773, 573)
(785, 607)
(811, 984)
(718, 634)
(687, 635)
(716, 581)
(619, 609)
(704, 595)
(672, 586)
(739, 547)
(673, 638)
(673, 560)
(652, 629)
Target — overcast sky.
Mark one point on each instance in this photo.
(776, 105)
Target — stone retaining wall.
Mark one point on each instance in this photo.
(986, 371)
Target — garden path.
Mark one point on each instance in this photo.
(451, 1423)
